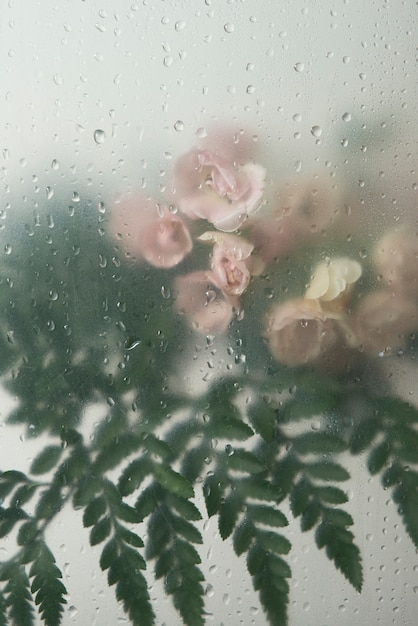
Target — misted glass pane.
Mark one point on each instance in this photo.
(208, 309)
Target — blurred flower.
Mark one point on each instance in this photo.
(152, 232)
(211, 187)
(382, 321)
(396, 261)
(273, 237)
(206, 306)
(331, 281)
(307, 207)
(231, 261)
(300, 332)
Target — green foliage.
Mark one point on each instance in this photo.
(246, 443)
(17, 593)
(47, 585)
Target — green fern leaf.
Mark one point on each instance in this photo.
(184, 507)
(318, 443)
(406, 496)
(173, 481)
(245, 461)
(364, 433)
(213, 491)
(267, 515)
(48, 587)
(228, 515)
(94, 511)
(378, 457)
(269, 574)
(243, 536)
(46, 460)
(327, 471)
(263, 419)
(340, 548)
(100, 531)
(131, 587)
(133, 475)
(18, 596)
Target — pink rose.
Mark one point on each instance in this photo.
(150, 231)
(299, 332)
(382, 321)
(213, 188)
(231, 261)
(206, 306)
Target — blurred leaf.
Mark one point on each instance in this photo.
(243, 536)
(263, 419)
(132, 587)
(27, 532)
(332, 495)
(228, 515)
(184, 507)
(259, 489)
(50, 502)
(327, 471)
(100, 531)
(18, 596)
(405, 495)
(116, 451)
(364, 433)
(274, 542)
(172, 481)
(109, 554)
(245, 461)
(147, 502)
(46, 583)
(378, 457)
(310, 515)
(130, 537)
(340, 548)
(318, 443)
(266, 515)
(300, 497)
(133, 475)
(94, 511)
(213, 490)
(156, 446)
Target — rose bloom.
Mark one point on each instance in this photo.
(151, 232)
(299, 332)
(231, 261)
(332, 281)
(396, 261)
(383, 320)
(218, 190)
(205, 305)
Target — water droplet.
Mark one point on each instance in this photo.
(316, 131)
(297, 117)
(179, 126)
(229, 28)
(132, 342)
(180, 25)
(49, 193)
(250, 89)
(55, 164)
(165, 292)
(202, 132)
(99, 136)
(346, 117)
(8, 248)
(298, 165)
(72, 611)
(229, 450)
(299, 67)
(344, 143)
(58, 79)
(53, 295)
